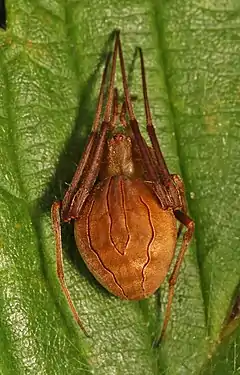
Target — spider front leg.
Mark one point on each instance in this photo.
(189, 224)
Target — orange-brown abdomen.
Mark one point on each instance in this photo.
(125, 238)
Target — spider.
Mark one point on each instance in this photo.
(124, 202)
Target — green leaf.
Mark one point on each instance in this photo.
(226, 358)
(51, 61)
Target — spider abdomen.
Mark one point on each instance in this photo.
(125, 238)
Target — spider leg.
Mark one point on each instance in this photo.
(162, 167)
(189, 224)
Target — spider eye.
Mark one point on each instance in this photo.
(118, 137)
